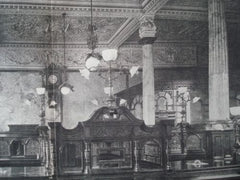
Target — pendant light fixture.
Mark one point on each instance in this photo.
(93, 58)
(65, 87)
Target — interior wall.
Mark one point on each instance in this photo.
(19, 102)
(87, 97)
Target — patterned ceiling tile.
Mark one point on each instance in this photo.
(26, 28)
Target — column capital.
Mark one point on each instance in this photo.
(147, 30)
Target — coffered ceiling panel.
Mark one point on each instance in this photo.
(45, 29)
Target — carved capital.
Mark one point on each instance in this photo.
(147, 27)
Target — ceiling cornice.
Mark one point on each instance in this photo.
(134, 14)
(182, 15)
(33, 9)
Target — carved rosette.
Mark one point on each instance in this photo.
(147, 30)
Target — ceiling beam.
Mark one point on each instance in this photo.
(150, 8)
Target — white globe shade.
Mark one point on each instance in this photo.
(109, 54)
(53, 103)
(40, 90)
(92, 63)
(65, 90)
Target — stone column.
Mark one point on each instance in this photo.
(218, 62)
(147, 33)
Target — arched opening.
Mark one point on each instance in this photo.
(16, 148)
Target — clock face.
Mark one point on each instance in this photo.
(52, 79)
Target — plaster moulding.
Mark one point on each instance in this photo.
(57, 10)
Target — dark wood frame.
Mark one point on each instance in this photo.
(98, 129)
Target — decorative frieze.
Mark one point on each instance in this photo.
(175, 56)
(48, 29)
(165, 55)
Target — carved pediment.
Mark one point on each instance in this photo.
(113, 114)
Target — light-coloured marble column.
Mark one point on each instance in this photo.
(147, 33)
(218, 62)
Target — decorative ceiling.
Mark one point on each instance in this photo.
(31, 30)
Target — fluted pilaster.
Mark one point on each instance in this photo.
(218, 62)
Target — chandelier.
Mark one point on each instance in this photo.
(93, 58)
(54, 77)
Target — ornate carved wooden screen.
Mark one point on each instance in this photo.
(25, 145)
(112, 139)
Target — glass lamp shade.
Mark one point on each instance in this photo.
(40, 90)
(52, 104)
(91, 62)
(65, 90)
(109, 54)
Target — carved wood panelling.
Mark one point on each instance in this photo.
(111, 131)
(32, 147)
(4, 148)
